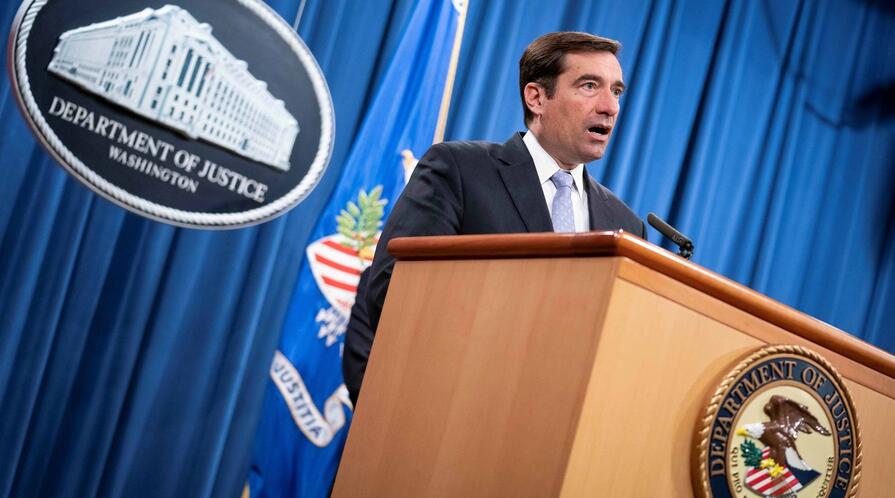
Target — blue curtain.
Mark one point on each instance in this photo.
(134, 355)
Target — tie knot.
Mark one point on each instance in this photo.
(562, 178)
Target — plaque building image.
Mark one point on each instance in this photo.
(166, 66)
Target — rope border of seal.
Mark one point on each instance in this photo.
(191, 219)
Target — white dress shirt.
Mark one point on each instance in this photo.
(546, 167)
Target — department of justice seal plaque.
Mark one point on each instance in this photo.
(782, 423)
(195, 113)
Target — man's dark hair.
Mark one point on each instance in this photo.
(543, 59)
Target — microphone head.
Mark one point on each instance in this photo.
(672, 233)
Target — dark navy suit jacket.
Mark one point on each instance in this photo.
(464, 188)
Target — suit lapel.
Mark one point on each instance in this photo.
(598, 206)
(521, 181)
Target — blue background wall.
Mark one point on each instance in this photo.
(133, 355)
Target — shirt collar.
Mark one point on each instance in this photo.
(545, 165)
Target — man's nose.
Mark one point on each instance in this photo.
(607, 103)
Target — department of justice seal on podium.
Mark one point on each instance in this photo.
(781, 423)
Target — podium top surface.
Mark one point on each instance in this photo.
(622, 244)
(524, 245)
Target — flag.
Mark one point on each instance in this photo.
(306, 409)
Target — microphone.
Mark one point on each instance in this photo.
(685, 244)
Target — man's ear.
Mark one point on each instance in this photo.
(535, 96)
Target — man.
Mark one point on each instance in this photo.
(570, 84)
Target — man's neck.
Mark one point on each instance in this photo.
(545, 147)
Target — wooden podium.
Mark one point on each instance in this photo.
(570, 365)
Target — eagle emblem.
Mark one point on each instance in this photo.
(778, 469)
(337, 260)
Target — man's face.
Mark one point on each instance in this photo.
(574, 125)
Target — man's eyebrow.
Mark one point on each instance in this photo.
(586, 77)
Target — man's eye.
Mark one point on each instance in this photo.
(589, 86)
(617, 92)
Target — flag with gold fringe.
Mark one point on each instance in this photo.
(306, 406)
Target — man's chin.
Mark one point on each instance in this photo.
(594, 154)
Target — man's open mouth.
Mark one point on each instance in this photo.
(600, 130)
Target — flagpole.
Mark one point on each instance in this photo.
(463, 7)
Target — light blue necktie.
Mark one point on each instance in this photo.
(563, 219)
